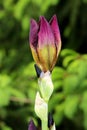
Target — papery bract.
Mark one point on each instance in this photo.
(45, 85)
(41, 107)
(45, 42)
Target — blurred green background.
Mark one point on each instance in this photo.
(18, 81)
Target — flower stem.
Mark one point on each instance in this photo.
(44, 125)
(45, 121)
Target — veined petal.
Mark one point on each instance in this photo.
(33, 33)
(55, 28)
(54, 25)
(46, 45)
(47, 56)
(45, 42)
(33, 38)
(36, 56)
(45, 34)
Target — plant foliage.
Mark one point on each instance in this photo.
(18, 81)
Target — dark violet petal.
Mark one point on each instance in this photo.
(45, 34)
(50, 120)
(33, 33)
(31, 126)
(54, 25)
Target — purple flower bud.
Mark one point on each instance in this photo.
(31, 126)
(50, 120)
(51, 123)
(45, 42)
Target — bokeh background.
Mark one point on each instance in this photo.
(18, 81)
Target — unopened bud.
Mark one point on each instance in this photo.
(41, 107)
(31, 125)
(50, 120)
(45, 42)
(51, 124)
(46, 85)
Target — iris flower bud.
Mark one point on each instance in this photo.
(31, 126)
(45, 42)
(45, 85)
(51, 124)
(41, 107)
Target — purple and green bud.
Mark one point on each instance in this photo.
(45, 42)
(50, 120)
(41, 108)
(45, 85)
(51, 124)
(32, 125)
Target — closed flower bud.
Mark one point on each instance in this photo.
(41, 107)
(45, 42)
(45, 85)
(31, 125)
(50, 120)
(51, 124)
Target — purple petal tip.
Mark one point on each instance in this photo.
(33, 32)
(54, 25)
(31, 125)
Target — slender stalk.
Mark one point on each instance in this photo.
(45, 122)
(44, 125)
(42, 97)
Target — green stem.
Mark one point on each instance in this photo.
(44, 125)
(45, 121)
